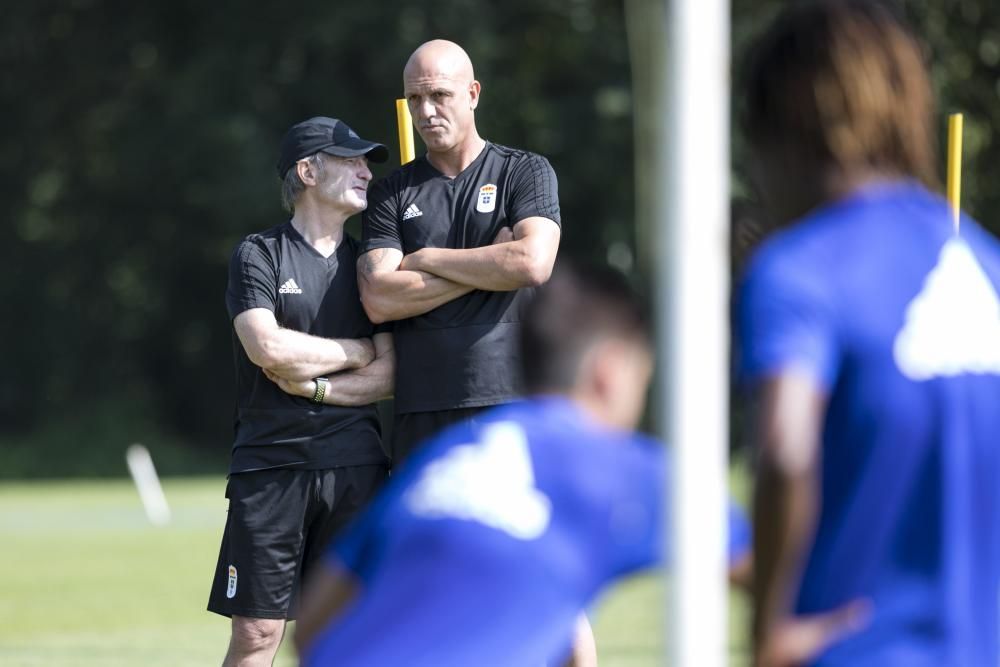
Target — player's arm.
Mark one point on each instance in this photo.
(522, 258)
(356, 387)
(584, 650)
(294, 355)
(523, 261)
(786, 507)
(389, 292)
(329, 590)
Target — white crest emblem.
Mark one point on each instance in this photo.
(231, 587)
(487, 198)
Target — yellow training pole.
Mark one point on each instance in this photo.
(955, 165)
(405, 124)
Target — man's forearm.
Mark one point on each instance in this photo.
(396, 295)
(498, 268)
(299, 356)
(785, 509)
(362, 386)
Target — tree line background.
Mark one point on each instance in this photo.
(139, 147)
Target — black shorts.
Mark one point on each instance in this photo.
(411, 429)
(280, 522)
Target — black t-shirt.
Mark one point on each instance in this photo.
(464, 353)
(280, 271)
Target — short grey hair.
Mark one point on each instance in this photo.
(292, 186)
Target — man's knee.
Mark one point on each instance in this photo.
(256, 634)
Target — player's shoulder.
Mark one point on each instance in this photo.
(517, 157)
(985, 245)
(537, 413)
(814, 248)
(403, 176)
(802, 241)
(855, 227)
(558, 424)
(643, 453)
(629, 466)
(264, 241)
(795, 264)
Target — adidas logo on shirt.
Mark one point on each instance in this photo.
(491, 482)
(289, 287)
(952, 327)
(412, 212)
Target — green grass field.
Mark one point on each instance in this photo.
(86, 580)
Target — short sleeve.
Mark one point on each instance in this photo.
(380, 222)
(534, 191)
(786, 318)
(253, 278)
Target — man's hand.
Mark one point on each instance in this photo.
(800, 639)
(360, 386)
(303, 388)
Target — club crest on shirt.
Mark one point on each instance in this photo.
(231, 587)
(487, 198)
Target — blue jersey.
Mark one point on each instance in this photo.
(897, 318)
(488, 544)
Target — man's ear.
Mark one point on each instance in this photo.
(306, 170)
(474, 89)
(605, 363)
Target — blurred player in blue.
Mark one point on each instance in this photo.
(870, 331)
(490, 541)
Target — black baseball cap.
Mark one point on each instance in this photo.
(326, 135)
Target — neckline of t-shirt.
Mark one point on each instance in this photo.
(332, 259)
(874, 192)
(888, 188)
(468, 169)
(561, 409)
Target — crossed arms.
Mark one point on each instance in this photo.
(360, 370)
(395, 287)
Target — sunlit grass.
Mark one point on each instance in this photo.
(88, 581)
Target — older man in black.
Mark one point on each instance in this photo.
(310, 366)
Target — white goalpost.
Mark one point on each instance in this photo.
(681, 82)
(693, 301)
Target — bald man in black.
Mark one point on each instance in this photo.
(454, 243)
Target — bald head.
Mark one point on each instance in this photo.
(442, 93)
(441, 57)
